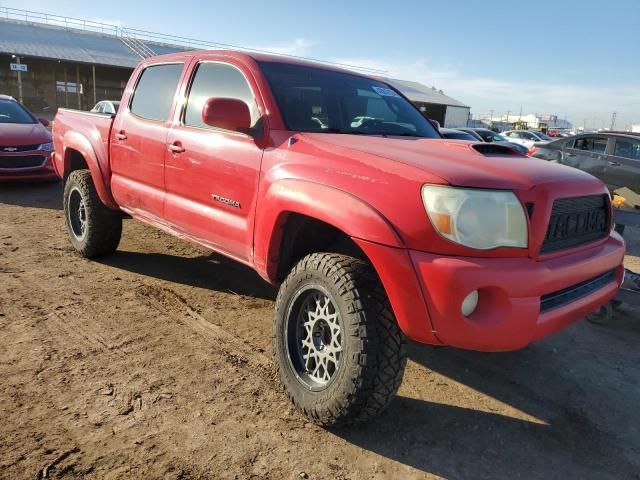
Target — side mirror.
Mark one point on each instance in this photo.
(44, 122)
(227, 113)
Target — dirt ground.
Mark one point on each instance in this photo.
(156, 363)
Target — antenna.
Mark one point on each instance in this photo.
(613, 120)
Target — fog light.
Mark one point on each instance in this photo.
(470, 303)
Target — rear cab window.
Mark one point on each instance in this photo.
(155, 91)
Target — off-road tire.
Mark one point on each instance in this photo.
(374, 349)
(103, 226)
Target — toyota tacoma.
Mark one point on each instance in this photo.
(332, 185)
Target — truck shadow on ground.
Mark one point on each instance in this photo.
(446, 438)
(32, 195)
(211, 272)
(457, 442)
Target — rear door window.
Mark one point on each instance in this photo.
(591, 144)
(627, 149)
(155, 91)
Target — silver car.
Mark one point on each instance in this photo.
(526, 137)
(614, 158)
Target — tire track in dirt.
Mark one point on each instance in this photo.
(236, 350)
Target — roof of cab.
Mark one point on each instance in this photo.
(258, 57)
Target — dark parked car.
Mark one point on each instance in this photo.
(614, 158)
(489, 136)
(454, 134)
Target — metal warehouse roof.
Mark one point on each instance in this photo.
(417, 92)
(28, 39)
(73, 44)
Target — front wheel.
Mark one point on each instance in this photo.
(339, 351)
(94, 229)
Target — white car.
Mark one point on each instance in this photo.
(526, 137)
(109, 107)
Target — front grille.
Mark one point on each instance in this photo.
(576, 221)
(21, 161)
(571, 294)
(18, 148)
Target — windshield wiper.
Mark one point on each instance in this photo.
(348, 132)
(406, 134)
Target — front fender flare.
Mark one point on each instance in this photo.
(338, 208)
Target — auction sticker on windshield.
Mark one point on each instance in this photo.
(385, 92)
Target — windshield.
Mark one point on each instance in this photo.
(13, 112)
(325, 101)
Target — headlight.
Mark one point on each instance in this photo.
(480, 219)
(46, 146)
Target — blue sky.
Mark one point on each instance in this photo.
(576, 59)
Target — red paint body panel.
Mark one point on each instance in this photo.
(233, 193)
(508, 314)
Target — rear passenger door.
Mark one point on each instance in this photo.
(587, 153)
(139, 141)
(624, 163)
(212, 174)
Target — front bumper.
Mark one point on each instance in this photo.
(43, 171)
(508, 316)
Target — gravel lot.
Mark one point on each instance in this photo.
(155, 363)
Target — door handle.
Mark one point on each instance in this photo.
(569, 154)
(613, 164)
(120, 135)
(176, 147)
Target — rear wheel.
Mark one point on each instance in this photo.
(94, 229)
(339, 351)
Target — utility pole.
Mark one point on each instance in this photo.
(613, 120)
(19, 81)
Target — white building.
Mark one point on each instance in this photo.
(433, 103)
(530, 121)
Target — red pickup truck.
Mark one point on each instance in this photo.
(334, 186)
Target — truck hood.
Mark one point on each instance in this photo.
(454, 161)
(15, 134)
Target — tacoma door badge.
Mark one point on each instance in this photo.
(226, 201)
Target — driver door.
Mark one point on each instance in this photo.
(212, 174)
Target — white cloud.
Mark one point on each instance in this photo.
(578, 102)
(298, 47)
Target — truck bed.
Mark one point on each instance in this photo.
(94, 127)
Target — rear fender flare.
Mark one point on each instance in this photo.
(78, 142)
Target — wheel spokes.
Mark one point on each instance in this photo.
(319, 337)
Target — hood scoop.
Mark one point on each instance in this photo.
(493, 149)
